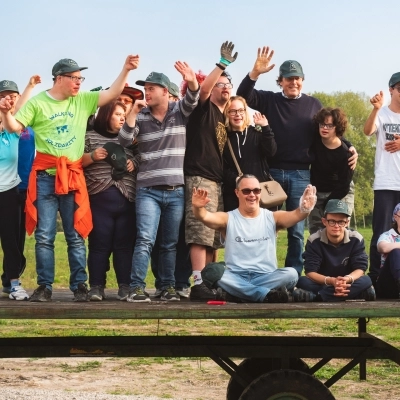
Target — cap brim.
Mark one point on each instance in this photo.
(134, 93)
(141, 83)
(290, 74)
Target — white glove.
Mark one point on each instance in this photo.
(308, 199)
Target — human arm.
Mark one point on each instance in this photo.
(286, 219)
(95, 155)
(267, 138)
(370, 123)
(191, 98)
(262, 64)
(130, 129)
(105, 96)
(26, 94)
(217, 220)
(386, 243)
(10, 124)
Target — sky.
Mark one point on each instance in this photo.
(343, 45)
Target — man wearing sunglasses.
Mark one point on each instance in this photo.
(384, 122)
(249, 233)
(335, 261)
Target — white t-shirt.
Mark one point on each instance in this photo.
(387, 165)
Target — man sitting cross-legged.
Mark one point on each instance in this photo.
(249, 233)
(335, 261)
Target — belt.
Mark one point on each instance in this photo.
(166, 187)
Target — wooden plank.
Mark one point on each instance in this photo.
(62, 307)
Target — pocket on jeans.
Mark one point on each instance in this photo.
(304, 174)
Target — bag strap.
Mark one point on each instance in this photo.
(234, 158)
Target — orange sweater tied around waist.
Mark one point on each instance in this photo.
(69, 177)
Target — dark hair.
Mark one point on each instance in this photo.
(339, 119)
(102, 120)
(243, 177)
(279, 79)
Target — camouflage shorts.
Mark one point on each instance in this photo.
(195, 231)
(314, 219)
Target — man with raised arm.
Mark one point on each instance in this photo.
(59, 118)
(249, 233)
(384, 122)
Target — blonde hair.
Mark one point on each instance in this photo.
(246, 119)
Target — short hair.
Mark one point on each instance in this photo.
(246, 119)
(339, 119)
(102, 120)
(279, 79)
(243, 177)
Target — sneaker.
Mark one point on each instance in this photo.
(123, 292)
(158, 293)
(6, 291)
(368, 294)
(202, 293)
(18, 293)
(81, 293)
(225, 296)
(277, 296)
(41, 294)
(303, 296)
(169, 294)
(183, 292)
(96, 293)
(138, 295)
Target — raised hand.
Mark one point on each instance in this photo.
(200, 198)
(377, 100)
(260, 119)
(131, 62)
(262, 63)
(186, 71)
(34, 80)
(308, 199)
(226, 53)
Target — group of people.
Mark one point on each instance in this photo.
(146, 175)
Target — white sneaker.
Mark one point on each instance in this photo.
(183, 292)
(18, 293)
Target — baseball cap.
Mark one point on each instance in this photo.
(156, 77)
(291, 68)
(335, 206)
(173, 89)
(116, 157)
(133, 93)
(394, 79)
(64, 66)
(8, 85)
(395, 211)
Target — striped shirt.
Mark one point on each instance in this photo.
(162, 145)
(98, 174)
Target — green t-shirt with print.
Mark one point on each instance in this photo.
(59, 126)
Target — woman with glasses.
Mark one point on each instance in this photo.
(251, 146)
(330, 172)
(110, 172)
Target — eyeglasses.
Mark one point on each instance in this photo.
(75, 78)
(333, 222)
(125, 101)
(241, 111)
(247, 191)
(224, 85)
(327, 126)
(11, 96)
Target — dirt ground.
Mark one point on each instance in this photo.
(183, 379)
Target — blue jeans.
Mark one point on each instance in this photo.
(326, 292)
(253, 286)
(47, 204)
(163, 210)
(293, 183)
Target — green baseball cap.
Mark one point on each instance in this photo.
(157, 78)
(8, 85)
(173, 89)
(335, 206)
(291, 68)
(64, 66)
(394, 79)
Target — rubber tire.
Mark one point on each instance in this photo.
(255, 367)
(286, 384)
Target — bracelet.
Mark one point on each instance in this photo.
(325, 281)
(224, 61)
(220, 66)
(352, 279)
(91, 156)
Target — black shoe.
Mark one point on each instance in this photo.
(96, 293)
(41, 294)
(277, 296)
(169, 294)
(225, 296)
(301, 295)
(81, 294)
(368, 294)
(202, 293)
(138, 295)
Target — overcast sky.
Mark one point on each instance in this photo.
(341, 44)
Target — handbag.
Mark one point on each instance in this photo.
(272, 194)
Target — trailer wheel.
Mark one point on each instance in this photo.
(255, 367)
(286, 384)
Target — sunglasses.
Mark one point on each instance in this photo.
(247, 191)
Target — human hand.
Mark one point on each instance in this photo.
(353, 159)
(262, 63)
(260, 119)
(6, 104)
(341, 287)
(186, 71)
(393, 145)
(377, 100)
(138, 105)
(131, 62)
(130, 166)
(308, 199)
(99, 154)
(34, 80)
(200, 198)
(226, 54)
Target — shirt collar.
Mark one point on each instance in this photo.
(294, 98)
(324, 237)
